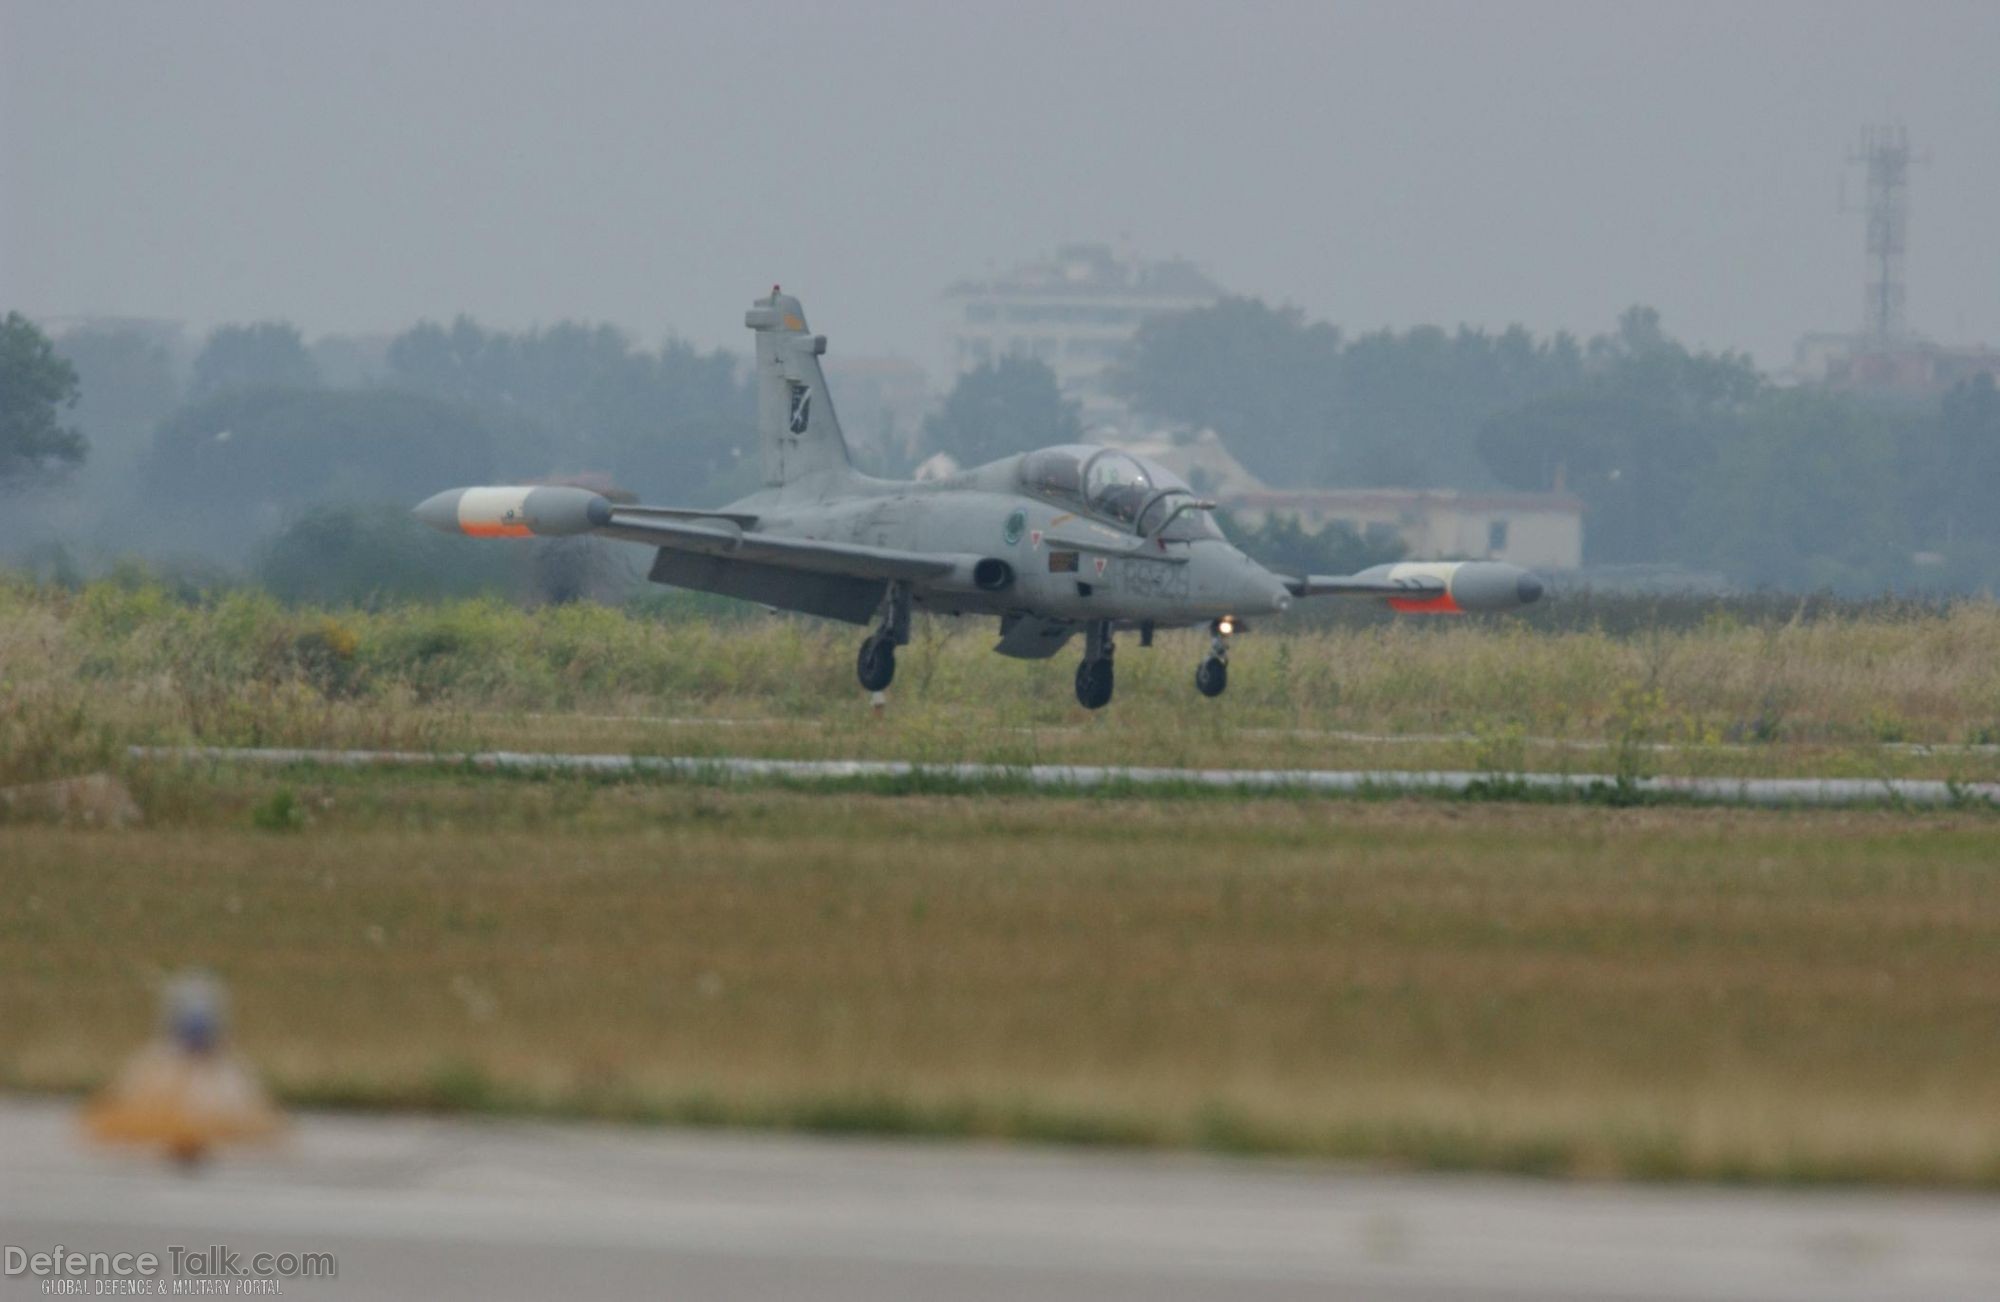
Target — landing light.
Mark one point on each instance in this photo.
(1225, 626)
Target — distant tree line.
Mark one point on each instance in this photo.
(243, 453)
(38, 389)
(1000, 408)
(1300, 402)
(673, 424)
(1679, 456)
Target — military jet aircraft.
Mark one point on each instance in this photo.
(1067, 540)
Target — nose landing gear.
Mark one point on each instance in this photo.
(1211, 677)
(1094, 676)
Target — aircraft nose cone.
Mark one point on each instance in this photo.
(1270, 591)
(440, 510)
(1529, 589)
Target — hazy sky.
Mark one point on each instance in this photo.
(356, 165)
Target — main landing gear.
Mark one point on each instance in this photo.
(1212, 676)
(1093, 676)
(875, 666)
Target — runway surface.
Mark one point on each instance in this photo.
(1705, 790)
(696, 721)
(415, 1207)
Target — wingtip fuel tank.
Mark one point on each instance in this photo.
(545, 511)
(1469, 586)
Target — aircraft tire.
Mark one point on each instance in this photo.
(1211, 676)
(1093, 684)
(876, 665)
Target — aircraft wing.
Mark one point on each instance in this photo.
(721, 537)
(1430, 587)
(560, 511)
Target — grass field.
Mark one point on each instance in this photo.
(1642, 992)
(1897, 692)
(1637, 993)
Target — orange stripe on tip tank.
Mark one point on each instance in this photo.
(496, 530)
(1442, 604)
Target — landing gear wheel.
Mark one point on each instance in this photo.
(876, 664)
(1211, 676)
(1093, 684)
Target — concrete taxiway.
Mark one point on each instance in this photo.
(482, 1209)
(1703, 790)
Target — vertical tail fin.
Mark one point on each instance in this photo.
(795, 421)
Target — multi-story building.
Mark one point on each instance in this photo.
(1542, 531)
(1075, 311)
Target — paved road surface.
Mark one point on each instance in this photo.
(1709, 790)
(461, 1209)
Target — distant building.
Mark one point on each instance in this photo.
(1889, 366)
(1539, 530)
(1075, 311)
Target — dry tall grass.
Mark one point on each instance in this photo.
(83, 674)
(1640, 993)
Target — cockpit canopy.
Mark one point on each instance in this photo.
(1116, 486)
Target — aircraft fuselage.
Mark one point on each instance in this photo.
(1063, 564)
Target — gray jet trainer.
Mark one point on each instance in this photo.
(1067, 540)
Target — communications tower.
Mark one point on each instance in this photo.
(1884, 157)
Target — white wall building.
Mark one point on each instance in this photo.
(1542, 531)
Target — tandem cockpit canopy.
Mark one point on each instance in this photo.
(1117, 486)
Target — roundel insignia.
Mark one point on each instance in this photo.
(1015, 524)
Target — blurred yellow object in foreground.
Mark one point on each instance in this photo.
(183, 1092)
